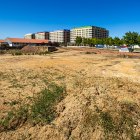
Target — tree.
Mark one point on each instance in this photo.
(139, 40)
(117, 41)
(99, 41)
(105, 41)
(108, 41)
(85, 41)
(131, 38)
(78, 40)
(93, 41)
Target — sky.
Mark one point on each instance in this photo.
(19, 17)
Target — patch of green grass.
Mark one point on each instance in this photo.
(116, 124)
(14, 119)
(90, 119)
(43, 108)
(106, 122)
(41, 111)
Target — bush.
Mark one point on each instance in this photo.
(44, 53)
(90, 53)
(2, 52)
(17, 53)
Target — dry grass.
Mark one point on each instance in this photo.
(102, 101)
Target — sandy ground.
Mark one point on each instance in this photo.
(22, 76)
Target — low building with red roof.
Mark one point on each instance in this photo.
(20, 42)
(2, 42)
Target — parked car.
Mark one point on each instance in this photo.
(99, 46)
(124, 49)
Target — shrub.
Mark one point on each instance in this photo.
(17, 53)
(90, 53)
(2, 52)
(44, 53)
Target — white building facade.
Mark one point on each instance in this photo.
(61, 36)
(42, 35)
(88, 32)
(29, 36)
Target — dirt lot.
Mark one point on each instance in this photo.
(109, 78)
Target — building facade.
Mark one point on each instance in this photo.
(42, 35)
(29, 36)
(60, 36)
(88, 32)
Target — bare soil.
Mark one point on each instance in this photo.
(94, 78)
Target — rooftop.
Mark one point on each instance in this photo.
(88, 27)
(2, 41)
(29, 34)
(60, 30)
(42, 32)
(22, 40)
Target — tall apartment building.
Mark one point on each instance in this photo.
(88, 32)
(29, 36)
(61, 36)
(42, 35)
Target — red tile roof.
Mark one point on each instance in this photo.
(22, 40)
(2, 41)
